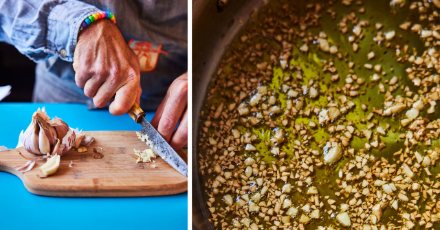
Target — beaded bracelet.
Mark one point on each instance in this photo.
(96, 16)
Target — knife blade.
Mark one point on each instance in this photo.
(162, 148)
(159, 145)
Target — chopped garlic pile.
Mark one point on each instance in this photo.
(145, 156)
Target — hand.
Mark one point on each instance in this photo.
(172, 110)
(105, 66)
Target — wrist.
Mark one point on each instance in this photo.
(99, 17)
(96, 29)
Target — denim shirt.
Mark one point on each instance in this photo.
(46, 31)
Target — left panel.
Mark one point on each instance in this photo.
(93, 122)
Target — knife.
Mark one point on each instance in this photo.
(159, 145)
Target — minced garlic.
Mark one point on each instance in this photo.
(145, 139)
(147, 154)
(82, 149)
(144, 156)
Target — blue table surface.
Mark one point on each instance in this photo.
(20, 209)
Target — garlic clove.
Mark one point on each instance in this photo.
(56, 147)
(30, 139)
(51, 166)
(43, 141)
(50, 131)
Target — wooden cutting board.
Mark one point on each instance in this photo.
(115, 175)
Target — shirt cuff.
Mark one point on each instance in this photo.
(63, 26)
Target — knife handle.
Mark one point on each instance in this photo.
(136, 112)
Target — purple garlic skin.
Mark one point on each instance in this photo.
(45, 136)
(60, 126)
(67, 143)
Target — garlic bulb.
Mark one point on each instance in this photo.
(46, 136)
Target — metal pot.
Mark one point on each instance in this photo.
(215, 24)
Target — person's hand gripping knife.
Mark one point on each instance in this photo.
(106, 67)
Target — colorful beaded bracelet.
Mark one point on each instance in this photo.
(96, 16)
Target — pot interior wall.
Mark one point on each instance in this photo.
(213, 29)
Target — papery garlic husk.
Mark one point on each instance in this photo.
(46, 136)
(44, 122)
(26, 167)
(67, 143)
(79, 137)
(82, 139)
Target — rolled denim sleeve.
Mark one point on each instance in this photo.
(41, 29)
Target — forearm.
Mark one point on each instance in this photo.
(40, 29)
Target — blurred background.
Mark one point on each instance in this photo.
(17, 71)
